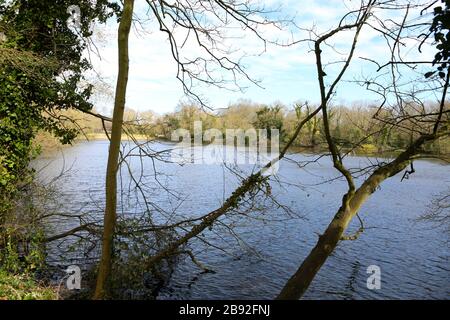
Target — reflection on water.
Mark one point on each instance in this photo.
(413, 256)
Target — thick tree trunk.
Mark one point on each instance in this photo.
(300, 281)
(110, 216)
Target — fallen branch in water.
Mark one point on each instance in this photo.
(231, 202)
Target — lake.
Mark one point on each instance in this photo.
(264, 250)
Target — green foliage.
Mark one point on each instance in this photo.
(353, 129)
(41, 73)
(22, 251)
(17, 270)
(269, 118)
(440, 29)
(10, 259)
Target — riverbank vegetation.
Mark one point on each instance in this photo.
(45, 96)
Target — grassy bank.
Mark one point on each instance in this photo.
(47, 143)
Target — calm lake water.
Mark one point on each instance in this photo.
(413, 255)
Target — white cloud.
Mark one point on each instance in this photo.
(287, 73)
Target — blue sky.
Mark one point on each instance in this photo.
(285, 74)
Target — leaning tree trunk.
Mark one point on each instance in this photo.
(300, 281)
(110, 216)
